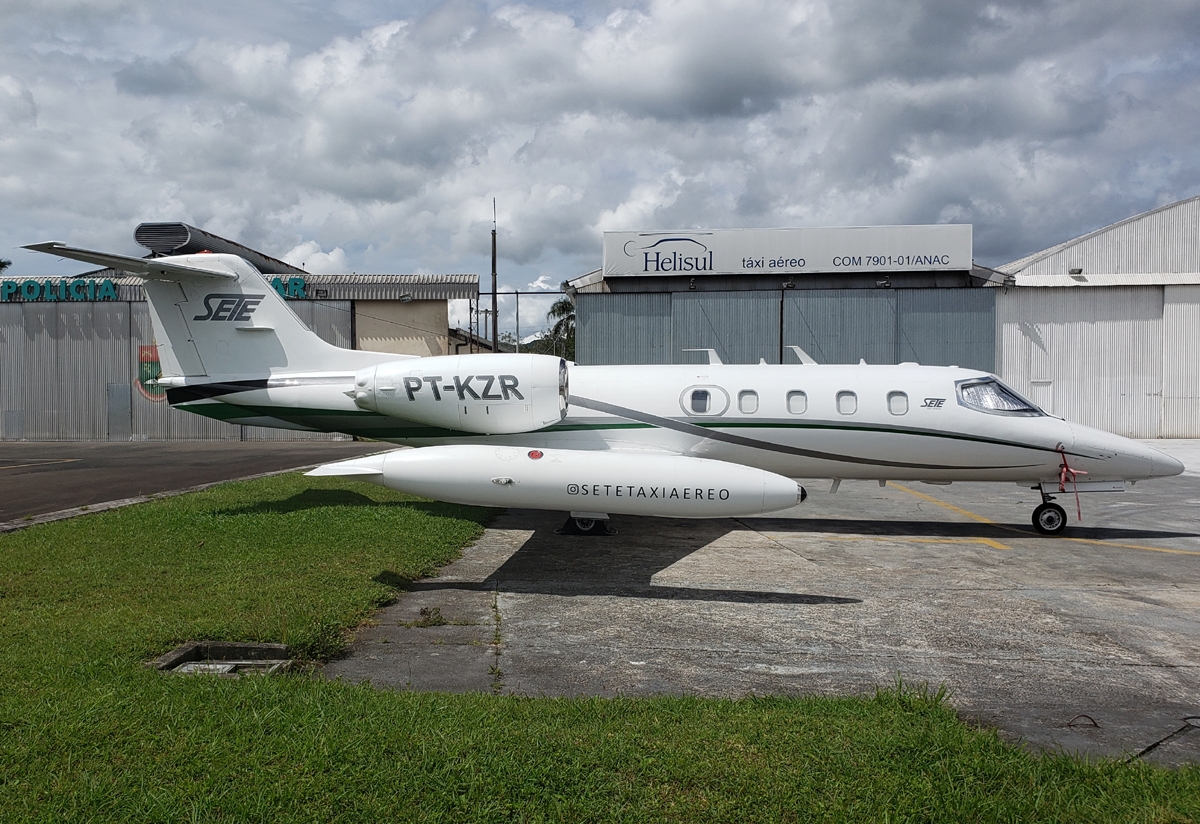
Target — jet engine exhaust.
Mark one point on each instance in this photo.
(669, 486)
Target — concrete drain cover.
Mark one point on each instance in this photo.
(226, 659)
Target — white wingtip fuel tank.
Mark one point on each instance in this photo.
(668, 486)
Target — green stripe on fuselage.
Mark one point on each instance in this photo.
(373, 425)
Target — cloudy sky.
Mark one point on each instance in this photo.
(355, 135)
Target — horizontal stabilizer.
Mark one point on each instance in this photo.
(153, 268)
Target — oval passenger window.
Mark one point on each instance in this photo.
(700, 401)
(748, 401)
(797, 402)
(847, 403)
(897, 403)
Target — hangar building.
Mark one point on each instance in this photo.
(839, 294)
(1102, 329)
(77, 353)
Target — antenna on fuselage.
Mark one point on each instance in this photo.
(802, 355)
(713, 357)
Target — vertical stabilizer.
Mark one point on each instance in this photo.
(216, 316)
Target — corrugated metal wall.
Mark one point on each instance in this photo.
(1181, 362)
(623, 328)
(1093, 356)
(69, 371)
(331, 319)
(841, 325)
(742, 326)
(944, 327)
(931, 326)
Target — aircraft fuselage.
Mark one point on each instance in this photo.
(885, 422)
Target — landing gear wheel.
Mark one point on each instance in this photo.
(1049, 519)
(585, 526)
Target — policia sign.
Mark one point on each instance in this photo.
(81, 290)
(62, 289)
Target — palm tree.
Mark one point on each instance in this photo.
(4, 264)
(562, 318)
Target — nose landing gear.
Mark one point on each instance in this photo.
(1049, 518)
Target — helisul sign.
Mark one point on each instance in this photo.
(943, 247)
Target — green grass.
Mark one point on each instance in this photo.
(89, 734)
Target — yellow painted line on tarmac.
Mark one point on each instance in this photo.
(952, 507)
(41, 463)
(906, 538)
(1142, 547)
(984, 520)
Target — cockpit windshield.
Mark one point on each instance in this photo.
(990, 395)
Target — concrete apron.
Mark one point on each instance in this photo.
(1087, 644)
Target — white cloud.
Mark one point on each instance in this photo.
(386, 139)
(309, 257)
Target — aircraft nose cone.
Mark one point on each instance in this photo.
(1105, 456)
(1165, 465)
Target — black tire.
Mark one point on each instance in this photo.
(585, 526)
(1049, 519)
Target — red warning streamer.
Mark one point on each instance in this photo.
(1068, 473)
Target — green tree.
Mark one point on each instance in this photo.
(562, 329)
(4, 264)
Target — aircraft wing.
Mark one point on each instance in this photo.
(153, 268)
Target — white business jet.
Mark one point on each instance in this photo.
(533, 431)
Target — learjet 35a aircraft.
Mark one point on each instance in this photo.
(533, 431)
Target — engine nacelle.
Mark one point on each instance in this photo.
(488, 394)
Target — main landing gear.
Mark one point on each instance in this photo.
(585, 526)
(1049, 518)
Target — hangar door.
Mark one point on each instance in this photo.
(935, 327)
(623, 328)
(742, 326)
(930, 326)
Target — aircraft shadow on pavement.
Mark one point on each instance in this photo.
(945, 529)
(314, 498)
(621, 565)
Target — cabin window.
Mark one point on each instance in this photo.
(748, 401)
(847, 403)
(897, 403)
(990, 395)
(704, 401)
(797, 402)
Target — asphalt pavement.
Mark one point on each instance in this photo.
(38, 478)
(1088, 642)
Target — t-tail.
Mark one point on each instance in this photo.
(231, 348)
(217, 318)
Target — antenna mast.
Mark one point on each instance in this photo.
(495, 314)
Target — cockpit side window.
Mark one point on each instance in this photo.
(991, 396)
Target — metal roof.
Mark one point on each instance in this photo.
(392, 287)
(1160, 243)
(325, 287)
(1140, 279)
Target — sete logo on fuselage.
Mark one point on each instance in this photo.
(229, 306)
